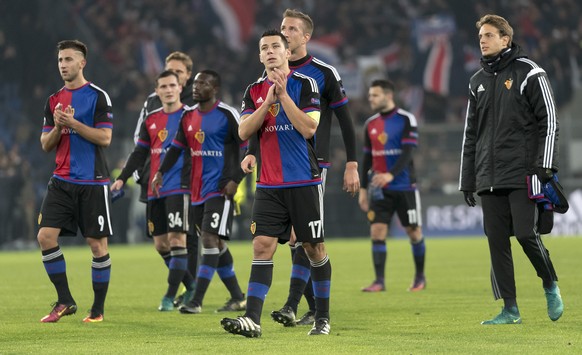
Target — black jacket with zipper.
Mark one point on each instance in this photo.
(511, 128)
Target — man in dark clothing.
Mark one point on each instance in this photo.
(510, 148)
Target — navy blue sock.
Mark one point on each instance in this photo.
(321, 278)
(100, 274)
(192, 245)
(300, 274)
(418, 252)
(226, 273)
(259, 284)
(205, 273)
(379, 254)
(178, 266)
(56, 268)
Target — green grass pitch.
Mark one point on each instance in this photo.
(444, 318)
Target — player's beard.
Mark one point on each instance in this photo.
(201, 100)
(70, 77)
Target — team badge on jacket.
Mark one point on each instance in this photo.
(200, 136)
(508, 83)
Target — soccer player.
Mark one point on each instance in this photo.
(78, 124)
(181, 64)
(510, 145)
(209, 132)
(282, 109)
(167, 211)
(297, 28)
(389, 181)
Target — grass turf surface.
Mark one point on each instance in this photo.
(444, 318)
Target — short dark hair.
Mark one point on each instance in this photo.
(275, 32)
(215, 76)
(73, 44)
(307, 21)
(498, 22)
(165, 74)
(385, 84)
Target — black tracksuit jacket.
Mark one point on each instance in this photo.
(511, 127)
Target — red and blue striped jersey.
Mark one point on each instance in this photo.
(332, 95)
(214, 146)
(156, 134)
(78, 160)
(287, 159)
(385, 136)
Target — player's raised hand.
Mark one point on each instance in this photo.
(271, 95)
(280, 82)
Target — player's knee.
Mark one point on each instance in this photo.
(315, 251)
(378, 231)
(210, 240)
(264, 247)
(98, 246)
(414, 233)
(46, 239)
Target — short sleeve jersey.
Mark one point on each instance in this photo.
(78, 160)
(212, 141)
(385, 136)
(156, 134)
(287, 159)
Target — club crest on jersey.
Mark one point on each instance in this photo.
(508, 83)
(163, 134)
(200, 136)
(383, 138)
(274, 109)
(150, 227)
(371, 215)
(253, 227)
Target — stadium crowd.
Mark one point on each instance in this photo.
(365, 39)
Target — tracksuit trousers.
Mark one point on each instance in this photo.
(506, 213)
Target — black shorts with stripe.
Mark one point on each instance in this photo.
(405, 203)
(214, 216)
(71, 207)
(276, 210)
(168, 214)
